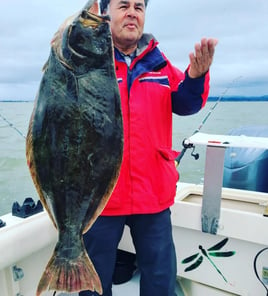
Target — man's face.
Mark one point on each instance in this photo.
(127, 22)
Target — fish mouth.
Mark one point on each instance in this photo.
(89, 19)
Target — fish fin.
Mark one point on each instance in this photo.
(41, 196)
(104, 200)
(67, 275)
(32, 168)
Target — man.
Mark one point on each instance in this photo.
(151, 89)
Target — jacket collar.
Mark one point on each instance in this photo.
(147, 53)
(146, 43)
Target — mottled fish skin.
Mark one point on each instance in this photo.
(74, 145)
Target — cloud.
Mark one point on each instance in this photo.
(26, 28)
(25, 33)
(240, 27)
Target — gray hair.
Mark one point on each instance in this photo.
(104, 4)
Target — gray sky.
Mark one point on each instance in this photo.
(27, 26)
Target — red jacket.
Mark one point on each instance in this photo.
(150, 90)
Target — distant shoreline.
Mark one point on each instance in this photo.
(239, 99)
(210, 99)
(16, 101)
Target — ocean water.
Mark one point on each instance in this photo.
(15, 180)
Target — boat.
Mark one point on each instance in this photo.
(220, 233)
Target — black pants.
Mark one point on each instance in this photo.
(152, 238)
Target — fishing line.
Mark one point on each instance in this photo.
(13, 126)
(186, 145)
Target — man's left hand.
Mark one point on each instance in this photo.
(201, 60)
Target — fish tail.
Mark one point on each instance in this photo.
(70, 275)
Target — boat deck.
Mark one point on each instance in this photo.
(131, 288)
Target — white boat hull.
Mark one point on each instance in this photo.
(27, 244)
(242, 222)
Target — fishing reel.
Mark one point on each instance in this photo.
(186, 145)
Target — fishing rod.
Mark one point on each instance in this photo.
(186, 145)
(12, 126)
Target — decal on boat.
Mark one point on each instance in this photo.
(197, 258)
